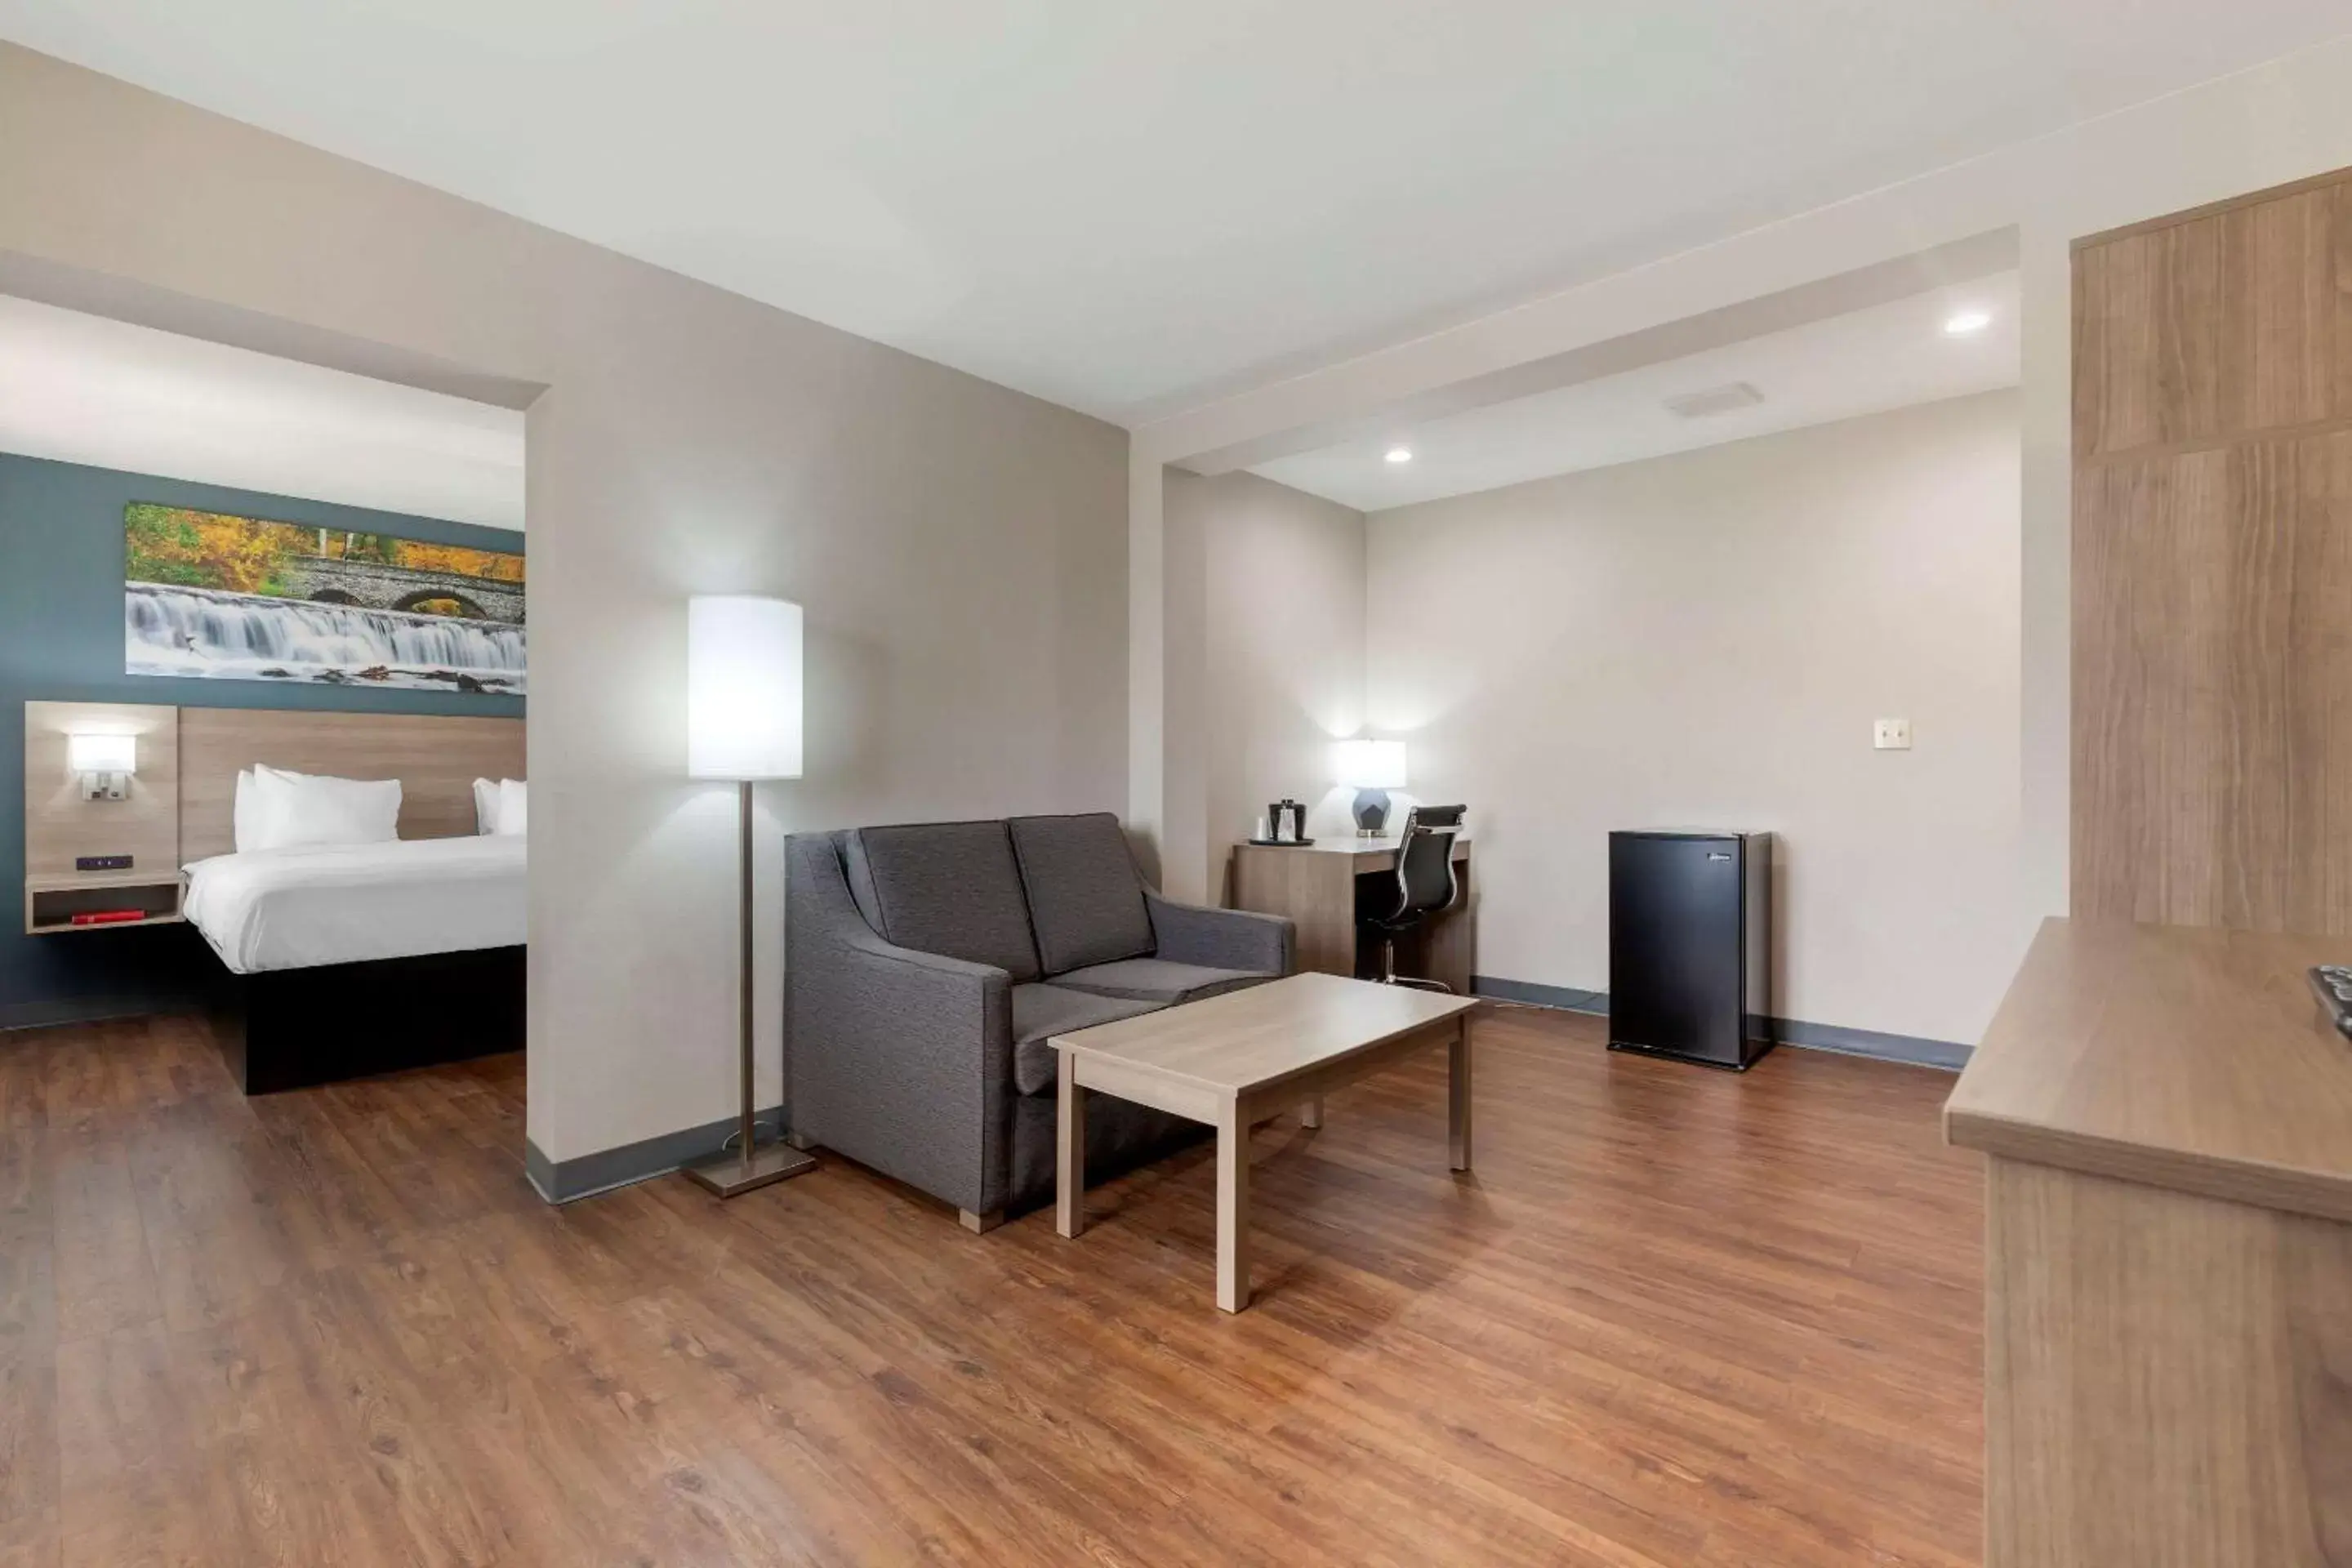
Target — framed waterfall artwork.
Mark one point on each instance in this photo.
(237, 598)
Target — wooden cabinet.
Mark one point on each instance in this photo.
(2167, 1123)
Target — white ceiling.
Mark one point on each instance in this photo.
(1884, 357)
(82, 389)
(1124, 206)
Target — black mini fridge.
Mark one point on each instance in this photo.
(1690, 943)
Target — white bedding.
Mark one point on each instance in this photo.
(295, 908)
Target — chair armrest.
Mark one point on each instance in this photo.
(1221, 939)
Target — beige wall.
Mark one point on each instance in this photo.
(1706, 639)
(2283, 120)
(960, 549)
(1281, 649)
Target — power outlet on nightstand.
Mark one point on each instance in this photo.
(1892, 735)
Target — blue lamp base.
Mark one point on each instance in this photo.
(1372, 813)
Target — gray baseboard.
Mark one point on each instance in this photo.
(1533, 995)
(1949, 1055)
(585, 1176)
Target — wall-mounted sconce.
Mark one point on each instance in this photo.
(104, 764)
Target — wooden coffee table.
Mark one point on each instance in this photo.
(1232, 1061)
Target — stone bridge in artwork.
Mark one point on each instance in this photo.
(372, 586)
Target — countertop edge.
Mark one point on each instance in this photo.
(2286, 1188)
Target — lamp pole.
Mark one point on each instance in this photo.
(744, 957)
(743, 721)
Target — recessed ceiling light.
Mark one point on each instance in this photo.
(1400, 454)
(1967, 322)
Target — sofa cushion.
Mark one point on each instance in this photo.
(1086, 900)
(1039, 1011)
(1158, 980)
(948, 888)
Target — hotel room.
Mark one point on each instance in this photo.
(841, 789)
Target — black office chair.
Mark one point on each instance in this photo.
(1426, 885)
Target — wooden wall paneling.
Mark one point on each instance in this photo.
(2340, 261)
(2319, 700)
(2231, 323)
(2277, 341)
(59, 825)
(2241, 684)
(2110, 817)
(2209, 656)
(2213, 386)
(2147, 308)
(2089, 310)
(436, 759)
(2151, 638)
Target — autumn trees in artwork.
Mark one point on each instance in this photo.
(186, 548)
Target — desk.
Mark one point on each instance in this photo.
(1315, 885)
(2167, 1123)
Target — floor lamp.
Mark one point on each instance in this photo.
(743, 723)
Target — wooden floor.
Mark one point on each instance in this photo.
(1676, 1318)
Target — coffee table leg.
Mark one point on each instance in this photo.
(1310, 1114)
(1458, 1096)
(1233, 1209)
(1070, 1152)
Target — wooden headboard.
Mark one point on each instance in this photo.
(436, 761)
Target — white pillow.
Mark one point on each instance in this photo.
(486, 806)
(296, 811)
(514, 807)
(245, 819)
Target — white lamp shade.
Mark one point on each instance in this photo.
(742, 688)
(1369, 764)
(102, 753)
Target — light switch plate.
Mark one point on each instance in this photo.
(1892, 735)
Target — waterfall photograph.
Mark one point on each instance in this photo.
(237, 598)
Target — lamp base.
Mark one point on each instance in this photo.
(731, 1175)
(1372, 813)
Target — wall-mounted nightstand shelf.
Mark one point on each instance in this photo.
(52, 901)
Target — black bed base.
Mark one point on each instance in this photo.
(292, 1028)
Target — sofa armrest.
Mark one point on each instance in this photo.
(900, 1060)
(1221, 939)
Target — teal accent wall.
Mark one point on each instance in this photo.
(62, 640)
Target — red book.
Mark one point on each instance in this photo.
(108, 917)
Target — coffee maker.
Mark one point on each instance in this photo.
(1286, 822)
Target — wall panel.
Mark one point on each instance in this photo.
(2212, 579)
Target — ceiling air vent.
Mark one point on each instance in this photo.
(1714, 400)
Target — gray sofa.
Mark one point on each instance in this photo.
(927, 963)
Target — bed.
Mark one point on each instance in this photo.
(343, 962)
(307, 908)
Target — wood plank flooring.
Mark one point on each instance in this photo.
(1676, 1318)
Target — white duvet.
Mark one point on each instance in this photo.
(295, 908)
